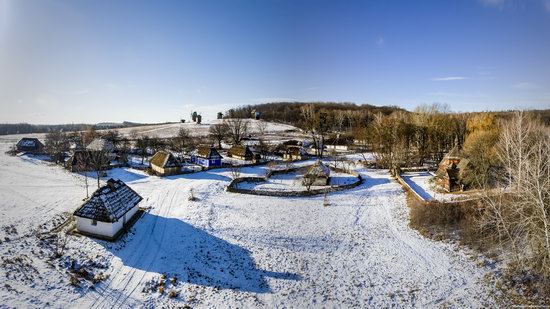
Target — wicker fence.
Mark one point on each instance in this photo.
(234, 185)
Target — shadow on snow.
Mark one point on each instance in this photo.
(174, 247)
(417, 188)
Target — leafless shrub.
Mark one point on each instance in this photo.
(173, 294)
(235, 171)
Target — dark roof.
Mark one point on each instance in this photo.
(109, 203)
(241, 151)
(339, 141)
(164, 159)
(29, 142)
(292, 142)
(208, 152)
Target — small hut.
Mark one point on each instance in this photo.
(241, 153)
(317, 174)
(207, 156)
(30, 145)
(108, 211)
(164, 163)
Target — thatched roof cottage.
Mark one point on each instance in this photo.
(207, 156)
(164, 163)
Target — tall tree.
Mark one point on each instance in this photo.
(218, 132)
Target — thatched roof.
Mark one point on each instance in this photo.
(240, 151)
(319, 169)
(164, 159)
(109, 203)
(208, 152)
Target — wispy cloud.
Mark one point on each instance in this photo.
(525, 85)
(547, 5)
(311, 88)
(449, 78)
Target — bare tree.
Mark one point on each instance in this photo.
(237, 129)
(142, 143)
(56, 145)
(99, 162)
(219, 132)
(309, 180)
(235, 171)
(520, 210)
(182, 139)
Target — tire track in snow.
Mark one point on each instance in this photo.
(134, 257)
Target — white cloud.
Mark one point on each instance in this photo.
(525, 85)
(449, 78)
(547, 5)
(380, 42)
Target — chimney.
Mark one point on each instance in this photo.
(111, 184)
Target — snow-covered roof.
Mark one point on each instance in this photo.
(29, 142)
(100, 144)
(109, 203)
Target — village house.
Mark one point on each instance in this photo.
(30, 145)
(87, 160)
(295, 153)
(317, 174)
(448, 174)
(241, 153)
(207, 156)
(108, 210)
(338, 143)
(164, 163)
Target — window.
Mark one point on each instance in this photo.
(94, 222)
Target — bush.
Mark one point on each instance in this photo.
(457, 221)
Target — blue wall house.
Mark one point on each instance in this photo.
(207, 157)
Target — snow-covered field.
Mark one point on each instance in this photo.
(229, 250)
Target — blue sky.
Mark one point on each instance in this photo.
(151, 61)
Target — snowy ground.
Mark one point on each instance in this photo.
(230, 250)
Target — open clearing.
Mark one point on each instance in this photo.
(237, 250)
